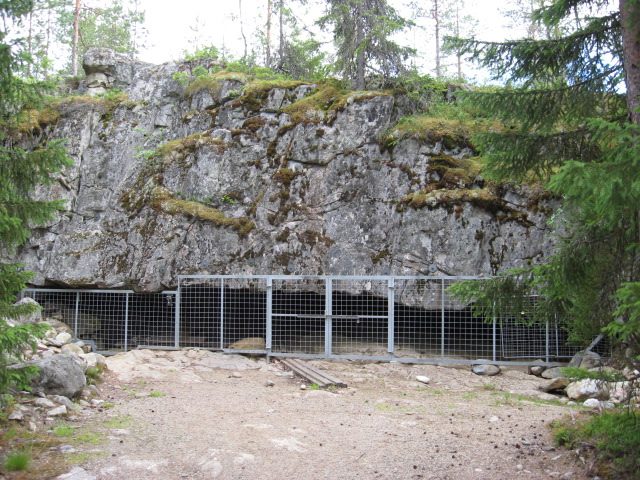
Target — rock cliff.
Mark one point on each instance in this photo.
(225, 175)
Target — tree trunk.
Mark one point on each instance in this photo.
(458, 56)
(76, 38)
(268, 40)
(360, 50)
(281, 33)
(30, 42)
(244, 38)
(436, 17)
(630, 18)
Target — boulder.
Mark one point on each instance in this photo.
(588, 388)
(585, 359)
(94, 360)
(29, 317)
(555, 384)
(536, 369)
(107, 69)
(60, 375)
(486, 370)
(555, 372)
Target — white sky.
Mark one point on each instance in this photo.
(169, 34)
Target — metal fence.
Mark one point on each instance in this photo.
(388, 318)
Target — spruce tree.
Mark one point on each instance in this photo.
(362, 31)
(569, 117)
(22, 169)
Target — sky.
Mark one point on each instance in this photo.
(177, 27)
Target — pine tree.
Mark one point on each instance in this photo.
(566, 121)
(22, 170)
(362, 31)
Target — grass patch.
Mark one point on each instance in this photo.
(614, 438)
(469, 396)
(63, 430)
(89, 438)
(576, 373)
(119, 422)
(156, 394)
(490, 387)
(213, 82)
(314, 386)
(17, 461)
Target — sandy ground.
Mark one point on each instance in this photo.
(201, 415)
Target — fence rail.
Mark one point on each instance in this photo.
(399, 318)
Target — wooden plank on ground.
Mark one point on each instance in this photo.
(312, 374)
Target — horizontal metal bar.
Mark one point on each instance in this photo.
(331, 277)
(75, 290)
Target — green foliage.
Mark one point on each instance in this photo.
(17, 461)
(362, 31)
(22, 170)
(616, 437)
(564, 121)
(115, 25)
(207, 53)
(304, 60)
(576, 373)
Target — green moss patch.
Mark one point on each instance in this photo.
(213, 82)
(426, 128)
(326, 101)
(164, 201)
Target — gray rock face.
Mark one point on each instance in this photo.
(60, 375)
(246, 188)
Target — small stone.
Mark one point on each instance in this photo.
(423, 379)
(236, 375)
(16, 415)
(83, 403)
(567, 476)
(486, 370)
(519, 467)
(76, 473)
(62, 338)
(66, 449)
(72, 348)
(592, 403)
(55, 412)
(269, 383)
(62, 400)
(32, 426)
(303, 387)
(44, 403)
(494, 419)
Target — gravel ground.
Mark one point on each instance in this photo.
(200, 415)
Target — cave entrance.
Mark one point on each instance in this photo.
(398, 318)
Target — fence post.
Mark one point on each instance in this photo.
(391, 299)
(126, 321)
(75, 317)
(328, 312)
(269, 315)
(442, 318)
(494, 333)
(176, 333)
(221, 313)
(546, 340)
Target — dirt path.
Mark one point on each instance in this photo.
(200, 415)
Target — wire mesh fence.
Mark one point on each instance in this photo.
(383, 318)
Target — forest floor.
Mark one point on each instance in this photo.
(201, 415)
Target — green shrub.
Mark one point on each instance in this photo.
(615, 436)
(17, 461)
